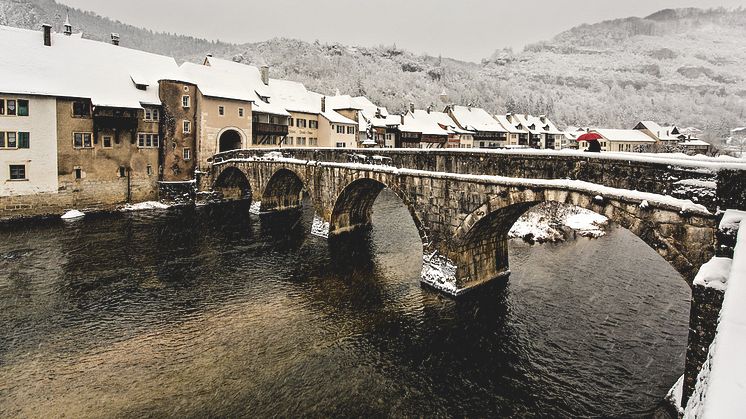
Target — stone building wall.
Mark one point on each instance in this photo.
(174, 164)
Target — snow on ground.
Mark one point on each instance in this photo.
(546, 223)
(256, 207)
(674, 395)
(146, 206)
(714, 274)
(721, 383)
(72, 214)
(439, 272)
(731, 220)
(320, 227)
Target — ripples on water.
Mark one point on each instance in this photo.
(212, 311)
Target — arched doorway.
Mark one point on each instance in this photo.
(229, 140)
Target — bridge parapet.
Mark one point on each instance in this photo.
(714, 183)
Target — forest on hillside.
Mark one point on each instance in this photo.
(679, 67)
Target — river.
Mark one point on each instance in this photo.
(214, 312)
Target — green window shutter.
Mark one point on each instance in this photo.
(22, 107)
(24, 140)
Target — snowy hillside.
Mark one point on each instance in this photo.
(675, 66)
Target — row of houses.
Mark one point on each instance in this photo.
(96, 124)
(107, 123)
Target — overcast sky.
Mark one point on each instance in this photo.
(464, 29)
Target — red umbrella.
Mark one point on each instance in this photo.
(590, 136)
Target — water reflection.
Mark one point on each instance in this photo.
(215, 312)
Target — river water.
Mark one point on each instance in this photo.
(215, 312)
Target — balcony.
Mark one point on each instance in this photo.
(263, 128)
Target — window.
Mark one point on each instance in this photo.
(24, 140)
(301, 123)
(78, 173)
(185, 101)
(106, 140)
(22, 107)
(152, 115)
(240, 112)
(149, 170)
(340, 145)
(340, 129)
(313, 124)
(148, 140)
(187, 127)
(12, 143)
(2, 139)
(289, 141)
(221, 110)
(290, 122)
(81, 109)
(2, 106)
(314, 141)
(17, 172)
(186, 88)
(122, 171)
(11, 110)
(187, 154)
(350, 130)
(301, 141)
(82, 140)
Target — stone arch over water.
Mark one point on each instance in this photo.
(283, 191)
(232, 184)
(480, 243)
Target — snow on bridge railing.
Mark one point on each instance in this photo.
(645, 200)
(672, 159)
(721, 385)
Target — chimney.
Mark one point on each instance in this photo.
(429, 108)
(265, 75)
(509, 117)
(411, 107)
(209, 55)
(543, 118)
(114, 38)
(323, 103)
(47, 34)
(444, 97)
(402, 119)
(68, 27)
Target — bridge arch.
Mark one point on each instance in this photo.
(481, 248)
(353, 206)
(230, 138)
(283, 191)
(232, 184)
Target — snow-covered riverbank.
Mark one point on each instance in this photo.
(550, 222)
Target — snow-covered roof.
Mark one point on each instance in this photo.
(537, 124)
(511, 124)
(663, 133)
(476, 119)
(445, 120)
(694, 143)
(216, 83)
(294, 96)
(249, 72)
(76, 67)
(336, 118)
(419, 121)
(626, 135)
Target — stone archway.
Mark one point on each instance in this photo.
(232, 184)
(480, 250)
(284, 191)
(230, 139)
(354, 205)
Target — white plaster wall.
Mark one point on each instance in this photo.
(41, 158)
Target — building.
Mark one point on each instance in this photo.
(375, 124)
(663, 135)
(85, 135)
(518, 135)
(418, 130)
(457, 137)
(487, 132)
(624, 140)
(542, 133)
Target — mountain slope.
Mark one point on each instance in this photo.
(676, 66)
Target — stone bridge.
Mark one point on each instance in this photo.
(465, 202)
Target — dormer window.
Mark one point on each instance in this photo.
(141, 86)
(152, 115)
